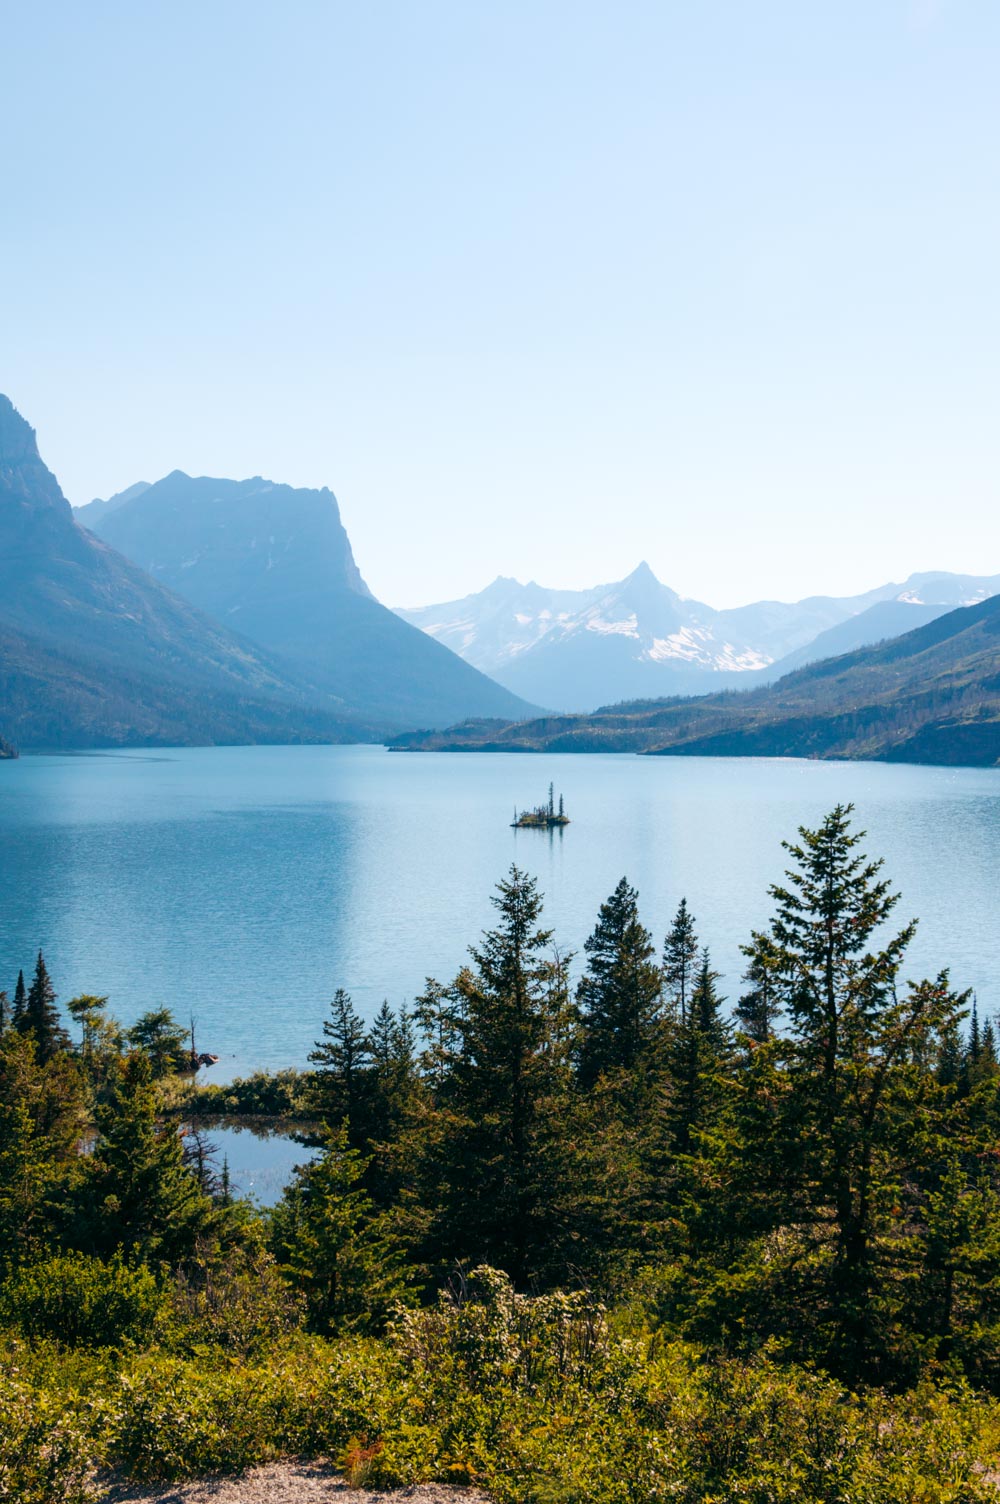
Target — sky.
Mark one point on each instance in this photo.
(538, 289)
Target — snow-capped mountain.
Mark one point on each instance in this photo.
(575, 649)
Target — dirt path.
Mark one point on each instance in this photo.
(286, 1483)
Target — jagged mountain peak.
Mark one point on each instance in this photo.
(637, 638)
(25, 479)
(17, 437)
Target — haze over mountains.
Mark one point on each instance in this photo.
(94, 651)
(932, 696)
(274, 563)
(235, 611)
(574, 650)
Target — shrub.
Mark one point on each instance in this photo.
(240, 1305)
(44, 1449)
(82, 1301)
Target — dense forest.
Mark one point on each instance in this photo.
(626, 1240)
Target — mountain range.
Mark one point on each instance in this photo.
(573, 650)
(275, 564)
(932, 695)
(96, 651)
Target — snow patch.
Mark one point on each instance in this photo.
(627, 627)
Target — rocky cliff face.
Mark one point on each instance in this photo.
(28, 488)
(81, 626)
(274, 563)
(250, 548)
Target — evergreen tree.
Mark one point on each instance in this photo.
(758, 1010)
(698, 1057)
(392, 1073)
(619, 995)
(41, 1123)
(438, 1018)
(4, 1012)
(138, 1196)
(950, 1066)
(160, 1037)
(499, 1151)
(680, 956)
(342, 1058)
(20, 1001)
(39, 1016)
(332, 1244)
(854, 1064)
(975, 1041)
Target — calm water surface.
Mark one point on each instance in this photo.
(246, 884)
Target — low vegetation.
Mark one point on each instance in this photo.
(610, 1242)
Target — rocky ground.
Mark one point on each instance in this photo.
(286, 1483)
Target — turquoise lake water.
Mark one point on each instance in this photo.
(245, 884)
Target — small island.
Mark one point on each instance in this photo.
(543, 816)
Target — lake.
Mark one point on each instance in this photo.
(245, 884)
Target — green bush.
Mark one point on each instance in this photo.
(535, 1399)
(45, 1451)
(81, 1301)
(279, 1094)
(240, 1304)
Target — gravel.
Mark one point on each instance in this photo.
(286, 1483)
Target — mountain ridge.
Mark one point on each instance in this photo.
(932, 695)
(275, 562)
(639, 638)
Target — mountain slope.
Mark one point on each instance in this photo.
(54, 699)
(577, 649)
(275, 563)
(884, 620)
(92, 511)
(930, 696)
(70, 604)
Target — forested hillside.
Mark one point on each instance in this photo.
(930, 696)
(57, 698)
(690, 1247)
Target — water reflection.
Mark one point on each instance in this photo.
(244, 885)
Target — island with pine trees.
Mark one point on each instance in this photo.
(543, 816)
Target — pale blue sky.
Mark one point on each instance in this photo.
(538, 289)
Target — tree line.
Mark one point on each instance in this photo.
(814, 1172)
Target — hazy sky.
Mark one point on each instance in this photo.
(537, 288)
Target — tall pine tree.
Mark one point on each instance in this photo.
(20, 1001)
(680, 958)
(342, 1057)
(619, 996)
(500, 1099)
(40, 1016)
(854, 1064)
